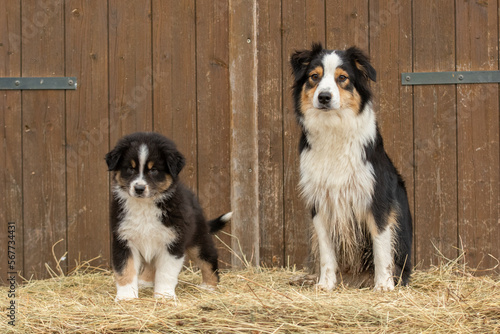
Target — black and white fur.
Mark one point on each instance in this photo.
(155, 220)
(357, 198)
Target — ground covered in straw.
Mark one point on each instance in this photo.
(446, 299)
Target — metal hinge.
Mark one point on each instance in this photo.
(31, 83)
(450, 78)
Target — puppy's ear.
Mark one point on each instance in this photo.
(362, 63)
(175, 162)
(114, 156)
(301, 59)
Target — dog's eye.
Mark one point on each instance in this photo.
(315, 77)
(153, 171)
(342, 78)
(130, 170)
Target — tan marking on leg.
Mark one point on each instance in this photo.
(209, 277)
(127, 274)
(148, 274)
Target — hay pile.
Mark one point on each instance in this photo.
(446, 299)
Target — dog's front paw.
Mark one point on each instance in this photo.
(122, 296)
(167, 294)
(384, 286)
(327, 284)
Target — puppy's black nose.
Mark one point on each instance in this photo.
(139, 189)
(324, 97)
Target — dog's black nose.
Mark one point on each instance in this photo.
(139, 189)
(324, 97)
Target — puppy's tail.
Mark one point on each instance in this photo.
(218, 224)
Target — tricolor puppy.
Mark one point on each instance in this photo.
(155, 219)
(357, 198)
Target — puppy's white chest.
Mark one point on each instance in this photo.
(142, 228)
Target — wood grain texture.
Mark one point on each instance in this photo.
(130, 68)
(87, 131)
(244, 138)
(174, 79)
(44, 163)
(303, 23)
(11, 177)
(213, 110)
(270, 133)
(435, 134)
(347, 24)
(478, 129)
(391, 54)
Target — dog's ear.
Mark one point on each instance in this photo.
(175, 162)
(362, 63)
(114, 156)
(301, 59)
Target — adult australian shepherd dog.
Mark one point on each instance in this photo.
(155, 219)
(357, 198)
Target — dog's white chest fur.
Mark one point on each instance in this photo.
(335, 178)
(141, 226)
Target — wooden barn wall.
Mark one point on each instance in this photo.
(214, 76)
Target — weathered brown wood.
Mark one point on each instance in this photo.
(174, 79)
(244, 133)
(478, 129)
(213, 110)
(11, 177)
(347, 24)
(130, 68)
(87, 131)
(435, 134)
(270, 133)
(44, 164)
(391, 54)
(303, 23)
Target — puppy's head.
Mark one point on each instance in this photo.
(144, 165)
(331, 80)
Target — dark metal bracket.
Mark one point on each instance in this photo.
(450, 78)
(24, 83)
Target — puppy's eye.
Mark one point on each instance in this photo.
(130, 170)
(314, 77)
(342, 78)
(153, 171)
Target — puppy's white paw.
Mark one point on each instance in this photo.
(165, 294)
(124, 297)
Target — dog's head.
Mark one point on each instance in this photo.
(331, 80)
(144, 165)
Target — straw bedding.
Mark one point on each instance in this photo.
(444, 299)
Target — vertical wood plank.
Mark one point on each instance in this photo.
(435, 134)
(478, 128)
(11, 176)
(174, 79)
(213, 110)
(347, 24)
(391, 54)
(303, 23)
(270, 133)
(87, 131)
(244, 137)
(130, 68)
(44, 165)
